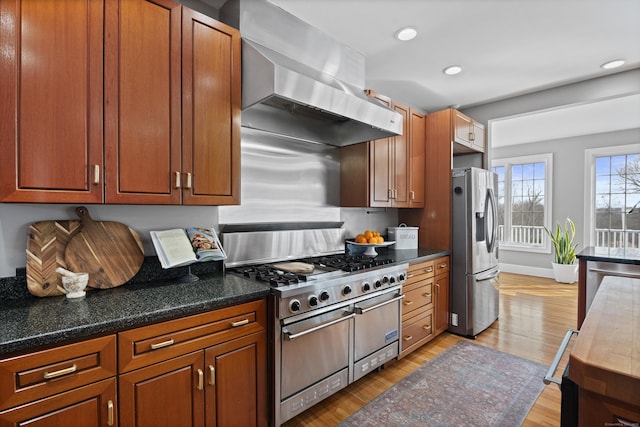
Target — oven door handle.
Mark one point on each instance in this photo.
(360, 310)
(291, 336)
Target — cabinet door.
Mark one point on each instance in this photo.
(478, 142)
(417, 160)
(236, 393)
(165, 394)
(142, 109)
(88, 406)
(381, 174)
(51, 103)
(462, 128)
(441, 286)
(211, 111)
(400, 160)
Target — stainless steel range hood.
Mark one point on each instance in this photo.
(300, 83)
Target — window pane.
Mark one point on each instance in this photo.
(603, 166)
(516, 173)
(603, 184)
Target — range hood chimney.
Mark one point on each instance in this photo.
(300, 83)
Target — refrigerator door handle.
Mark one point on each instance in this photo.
(491, 203)
(491, 274)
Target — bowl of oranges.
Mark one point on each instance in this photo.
(370, 240)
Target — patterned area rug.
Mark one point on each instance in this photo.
(466, 385)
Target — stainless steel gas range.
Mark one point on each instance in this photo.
(336, 315)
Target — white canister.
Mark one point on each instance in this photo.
(404, 236)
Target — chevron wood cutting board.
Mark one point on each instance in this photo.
(46, 243)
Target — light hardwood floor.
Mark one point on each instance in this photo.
(535, 313)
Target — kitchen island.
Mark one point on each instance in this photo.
(605, 360)
(598, 262)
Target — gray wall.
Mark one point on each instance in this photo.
(568, 153)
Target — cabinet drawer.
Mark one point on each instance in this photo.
(417, 295)
(442, 265)
(417, 329)
(44, 373)
(154, 343)
(420, 271)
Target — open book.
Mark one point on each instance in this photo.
(177, 247)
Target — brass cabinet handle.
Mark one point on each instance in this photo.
(110, 413)
(162, 344)
(443, 265)
(212, 375)
(55, 374)
(407, 338)
(239, 323)
(390, 193)
(177, 175)
(428, 269)
(426, 327)
(200, 379)
(472, 136)
(407, 302)
(412, 195)
(96, 174)
(426, 295)
(188, 184)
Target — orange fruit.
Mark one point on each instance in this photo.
(361, 239)
(372, 240)
(368, 234)
(380, 239)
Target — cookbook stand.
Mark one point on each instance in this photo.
(189, 277)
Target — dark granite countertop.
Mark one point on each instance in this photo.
(29, 322)
(616, 255)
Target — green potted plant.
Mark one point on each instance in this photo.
(565, 268)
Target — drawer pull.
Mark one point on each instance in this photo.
(55, 374)
(426, 327)
(407, 338)
(162, 344)
(212, 375)
(200, 379)
(96, 174)
(426, 295)
(428, 269)
(410, 276)
(239, 323)
(443, 265)
(110, 413)
(407, 302)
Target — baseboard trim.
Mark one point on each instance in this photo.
(526, 270)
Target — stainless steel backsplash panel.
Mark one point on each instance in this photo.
(269, 246)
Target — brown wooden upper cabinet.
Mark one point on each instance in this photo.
(467, 133)
(169, 111)
(386, 172)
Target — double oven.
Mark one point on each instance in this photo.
(336, 317)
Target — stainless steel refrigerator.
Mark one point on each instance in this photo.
(474, 278)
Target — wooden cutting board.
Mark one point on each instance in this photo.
(110, 252)
(46, 243)
(295, 267)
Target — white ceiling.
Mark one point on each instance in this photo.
(506, 47)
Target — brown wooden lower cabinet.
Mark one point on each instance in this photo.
(88, 406)
(209, 369)
(425, 308)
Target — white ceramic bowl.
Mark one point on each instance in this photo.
(75, 285)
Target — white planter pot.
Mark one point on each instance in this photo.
(565, 273)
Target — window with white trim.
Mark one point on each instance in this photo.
(524, 201)
(614, 196)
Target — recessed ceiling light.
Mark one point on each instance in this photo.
(452, 70)
(406, 34)
(612, 64)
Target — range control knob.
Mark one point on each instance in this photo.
(392, 280)
(401, 277)
(313, 301)
(346, 290)
(366, 287)
(385, 280)
(324, 295)
(378, 284)
(294, 305)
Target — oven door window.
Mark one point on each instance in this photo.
(313, 349)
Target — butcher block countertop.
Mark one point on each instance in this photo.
(606, 357)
